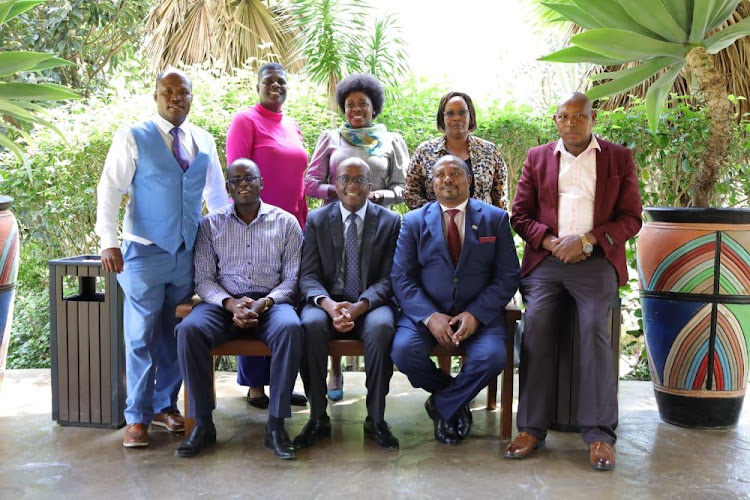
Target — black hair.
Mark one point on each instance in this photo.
(454, 159)
(273, 66)
(361, 82)
(469, 104)
(172, 70)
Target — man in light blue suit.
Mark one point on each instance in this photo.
(165, 165)
(454, 271)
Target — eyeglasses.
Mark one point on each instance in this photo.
(249, 179)
(359, 180)
(574, 117)
(463, 113)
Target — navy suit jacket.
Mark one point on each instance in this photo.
(483, 282)
(323, 252)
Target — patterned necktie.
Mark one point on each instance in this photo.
(454, 240)
(177, 149)
(351, 261)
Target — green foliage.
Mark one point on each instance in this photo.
(669, 161)
(334, 41)
(654, 34)
(98, 37)
(18, 110)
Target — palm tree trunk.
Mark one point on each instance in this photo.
(713, 88)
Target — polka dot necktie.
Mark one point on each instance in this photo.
(351, 261)
(177, 149)
(454, 241)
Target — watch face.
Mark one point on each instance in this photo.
(588, 248)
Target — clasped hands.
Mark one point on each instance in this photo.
(441, 327)
(568, 249)
(344, 314)
(245, 311)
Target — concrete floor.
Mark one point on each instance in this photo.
(39, 459)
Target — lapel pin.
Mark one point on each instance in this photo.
(474, 227)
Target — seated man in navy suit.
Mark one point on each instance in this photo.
(454, 271)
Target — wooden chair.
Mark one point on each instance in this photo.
(351, 347)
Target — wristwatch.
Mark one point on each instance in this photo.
(268, 302)
(587, 246)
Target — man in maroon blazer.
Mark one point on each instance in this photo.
(576, 205)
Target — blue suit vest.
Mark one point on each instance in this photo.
(165, 202)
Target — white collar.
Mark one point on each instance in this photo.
(360, 213)
(593, 144)
(165, 126)
(460, 208)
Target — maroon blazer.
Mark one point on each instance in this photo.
(617, 203)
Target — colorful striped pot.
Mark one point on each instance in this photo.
(694, 273)
(8, 274)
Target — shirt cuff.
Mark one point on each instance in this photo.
(279, 297)
(317, 300)
(108, 241)
(427, 319)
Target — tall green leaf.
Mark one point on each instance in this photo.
(620, 44)
(703, 12)
(727, 36)
(13, 61)
(16, 8)
(629, 78)
(36, 92)
(610, 14)
(658, 91)
(575, 14)
(722, 13)
(578, 55)
(654, 16)
(681, 11)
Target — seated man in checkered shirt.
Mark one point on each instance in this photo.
(247, 256)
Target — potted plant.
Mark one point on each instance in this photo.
(693, 262)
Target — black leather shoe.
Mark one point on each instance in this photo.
(200, 437)
(313, 429)
(279, 442)
(443, 432)
(463, 422)
(298, 399)
(381, 433)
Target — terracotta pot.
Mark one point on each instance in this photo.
(8, 274)
(694, 273)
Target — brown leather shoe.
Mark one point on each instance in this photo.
(170, 420)
(601, 456)
(136, 436)
(523, 445)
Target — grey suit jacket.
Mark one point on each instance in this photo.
(323, 252)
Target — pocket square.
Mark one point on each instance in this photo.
(487, 239)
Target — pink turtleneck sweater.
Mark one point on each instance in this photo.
(274, 142)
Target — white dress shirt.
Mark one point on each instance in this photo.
(118, 172)
(576, 186)
(459, 218)
(338, 286)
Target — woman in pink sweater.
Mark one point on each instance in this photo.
(274, 142)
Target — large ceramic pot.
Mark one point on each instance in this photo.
(8, 274)
(694, 273)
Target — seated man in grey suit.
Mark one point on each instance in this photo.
(346, 287)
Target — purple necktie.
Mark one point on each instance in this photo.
(177, 149)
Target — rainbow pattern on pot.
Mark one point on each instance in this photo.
(690, 268)
(8, 250)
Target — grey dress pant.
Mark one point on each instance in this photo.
(593, 286)
(375, 329)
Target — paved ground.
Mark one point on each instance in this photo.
(39, 459)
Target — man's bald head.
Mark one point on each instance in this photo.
(574, 119)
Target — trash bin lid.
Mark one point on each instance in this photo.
(5, 202)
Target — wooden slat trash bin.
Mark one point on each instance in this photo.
(568, 359)
(86, 344)
(253, 347)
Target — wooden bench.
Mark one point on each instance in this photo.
(347, 347)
